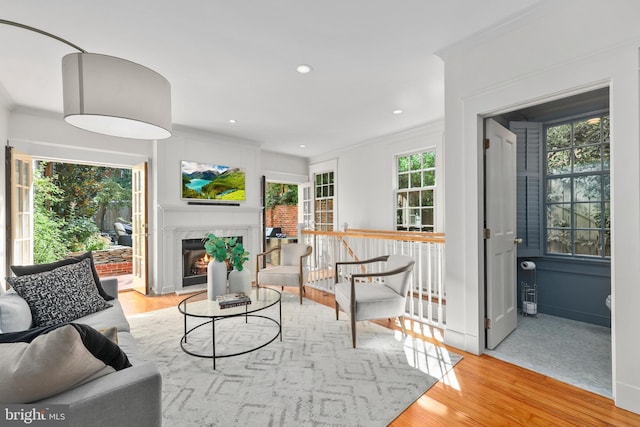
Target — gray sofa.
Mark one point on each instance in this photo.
(129, 397)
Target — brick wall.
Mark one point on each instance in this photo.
(285, 217)
(114, 261)
(114, 269)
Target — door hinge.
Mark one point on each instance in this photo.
(487, 323)
(486, 233)
(486, 143)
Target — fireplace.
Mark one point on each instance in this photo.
(195, 261)
(189, 223)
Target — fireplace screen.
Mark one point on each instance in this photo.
(194, 262)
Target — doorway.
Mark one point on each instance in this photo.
(563, 220)
(281, 217)
(73, 207)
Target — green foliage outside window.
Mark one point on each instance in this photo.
(578, 187)
(48, 242)
(281, 194)
(415, 194)
(67, 198)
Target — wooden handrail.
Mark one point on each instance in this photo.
(392, 235)
(413, 233)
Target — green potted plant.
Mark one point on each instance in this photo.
(238, 256)
(216, 247)
(227, 252)
(239, 277)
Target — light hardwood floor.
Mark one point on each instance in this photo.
(480, 390)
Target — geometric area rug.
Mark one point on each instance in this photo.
(312, 378)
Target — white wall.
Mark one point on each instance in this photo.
(47, 135)
(366, 177)
(560, 48)
(278, 167)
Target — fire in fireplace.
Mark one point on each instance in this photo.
(195, 261)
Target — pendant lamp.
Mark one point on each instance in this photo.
(110, 95)
(116, 97)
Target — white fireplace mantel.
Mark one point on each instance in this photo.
(177, 223)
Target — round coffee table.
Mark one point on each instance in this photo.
(206, 309)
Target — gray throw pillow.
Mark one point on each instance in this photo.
(43, 362)
(15, 314)
(61, 295)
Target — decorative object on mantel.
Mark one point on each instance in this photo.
(226, 251)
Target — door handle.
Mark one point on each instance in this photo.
(518, 241)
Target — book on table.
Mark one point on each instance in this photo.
(233, 300)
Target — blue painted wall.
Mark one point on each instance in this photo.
(571, 288)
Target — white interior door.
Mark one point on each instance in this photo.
(500, 233)
(140, 228)
(19, 208)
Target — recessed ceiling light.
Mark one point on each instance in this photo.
(233, 121)
(396, 112)
(302, 146)
(304, 68)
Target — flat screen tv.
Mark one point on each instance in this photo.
(217, 183)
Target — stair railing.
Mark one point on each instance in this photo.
(426, 302)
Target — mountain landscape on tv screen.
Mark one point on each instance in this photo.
(212, 182)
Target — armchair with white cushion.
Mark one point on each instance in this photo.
(366, 299)
(291, 271)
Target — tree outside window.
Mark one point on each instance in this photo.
(577, 199)
(70, 206)
(415, 194)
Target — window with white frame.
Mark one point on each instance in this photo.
(415, 193)
(324, 201)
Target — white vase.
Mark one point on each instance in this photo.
(216, 279)
(240, 281)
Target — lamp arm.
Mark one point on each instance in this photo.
(44, 33)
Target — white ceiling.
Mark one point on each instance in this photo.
(236, 59)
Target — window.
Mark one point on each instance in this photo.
(324, 189)
(577, 199)
(416, 191)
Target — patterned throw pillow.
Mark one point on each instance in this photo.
(22, 270)
(60, 295)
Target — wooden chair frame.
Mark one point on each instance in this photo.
(300, 271)
(356, 276)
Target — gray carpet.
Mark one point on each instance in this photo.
(312, 378)
(573, 352)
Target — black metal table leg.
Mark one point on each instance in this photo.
(280, 324)
(213, 340)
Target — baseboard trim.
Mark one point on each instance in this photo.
(627, 397)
